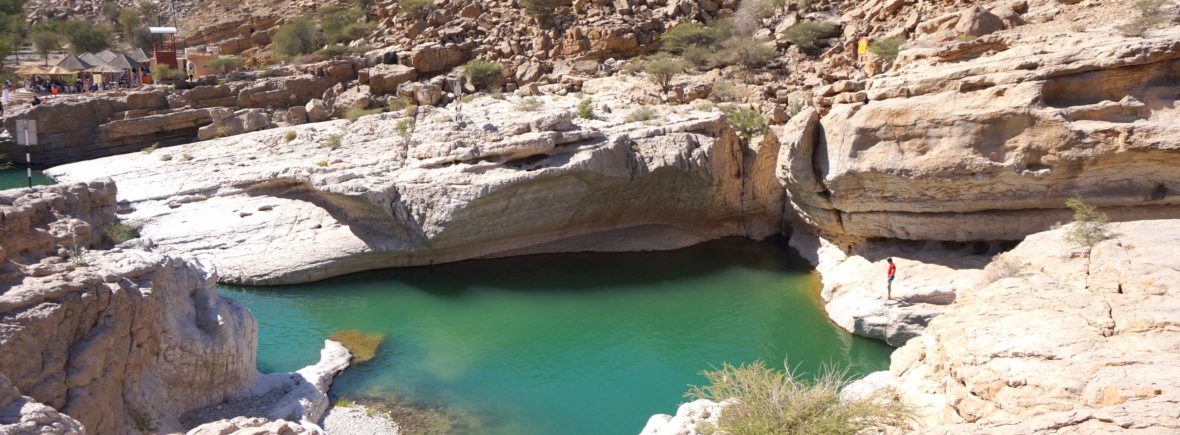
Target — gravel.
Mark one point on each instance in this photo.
(357, 419)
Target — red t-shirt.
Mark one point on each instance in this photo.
(892, 269)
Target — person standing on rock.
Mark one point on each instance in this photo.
(889, 284)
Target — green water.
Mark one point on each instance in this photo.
(17, 177)
(561, 344)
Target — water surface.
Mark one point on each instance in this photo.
(17, 177)
(561, 344)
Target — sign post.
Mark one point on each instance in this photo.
(26, 134)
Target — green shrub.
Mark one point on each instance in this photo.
(164, 73)
(1089, 224)
(356, 113)
(809, 35)
(416, 8)
(724, 90)
(290, 136)
(691, 34)
(120, 232)
(797, 105)
(405, 130)
(363, 346)
(225, 64)
(482, 73)
(586, 108)
(332, 141)
(746, 52)
(771, 401)
(45, 41)
(1150, 16)
(704, 105)
(150, 149)
(297, 37)
(333, 51)
(334, 22)
(545, 11)
(887, 48)
(85, 37)
(322, 163)
(662, 67)
(747, 123)
(640, 115)
(529, 104)
(342, 402)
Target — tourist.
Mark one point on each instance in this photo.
(892, 273)
(4, 96)
(36, 100)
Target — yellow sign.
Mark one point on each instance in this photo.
(862, 47)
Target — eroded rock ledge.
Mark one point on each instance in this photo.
(989, 147)
(1062, 338)
(106, 339)
(491, 180)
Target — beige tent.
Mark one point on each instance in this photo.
(33, 70)
(73, 63)
(104, 69)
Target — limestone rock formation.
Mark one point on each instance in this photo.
(284, 402)
(492, 180)
(1065, 338)
(988, 144)
(118, 339)
(929, 276)
(687, 417)
(23, 415)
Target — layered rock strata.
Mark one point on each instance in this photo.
(118, 339)
(1062, 338)
(491, 180)
(988, 146)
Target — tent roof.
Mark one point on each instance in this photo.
(90, 59)
(106, 55)
(73, 63)
(34, 70)
(138, 55)
(107, 69)
(123, 62)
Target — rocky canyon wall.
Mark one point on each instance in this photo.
(120, 339)
(492, 180)
(988, 145)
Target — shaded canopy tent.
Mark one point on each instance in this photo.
(123, 62)
(138, 55)
(33, 70)
(90, 59)
(104, 69)
(106, 55)
(73, 63)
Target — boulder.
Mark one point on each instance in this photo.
(227, 123)
(384, 79)
(433, 58)
(296, 115)
(423, 93)
(978, 21)
(317, 110)
(356, 97)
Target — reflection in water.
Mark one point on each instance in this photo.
(570, 343)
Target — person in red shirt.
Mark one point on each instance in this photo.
(892, 273)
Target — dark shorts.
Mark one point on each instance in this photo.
(891, 279)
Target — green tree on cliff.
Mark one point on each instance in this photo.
(1089, 224)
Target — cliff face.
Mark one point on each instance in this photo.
(120, 339)
(1063, 339)
(491, 180)
(986, 139)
